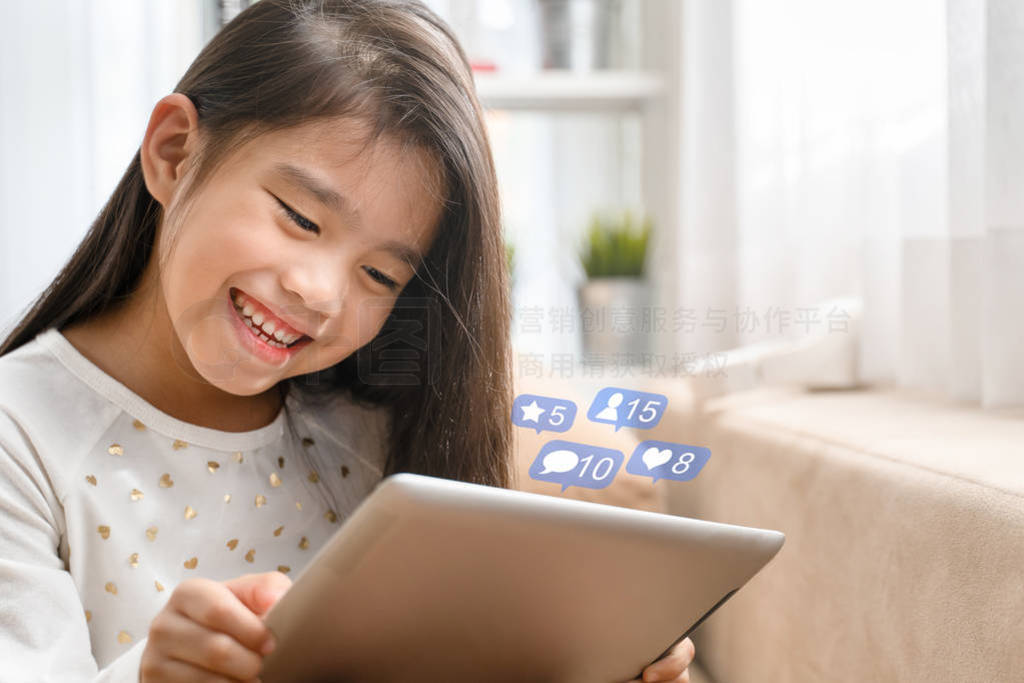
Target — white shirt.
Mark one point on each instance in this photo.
(106, 503)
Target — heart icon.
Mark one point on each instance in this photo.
(653, 457)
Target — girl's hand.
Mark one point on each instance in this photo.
(673, 667)
(212, 631)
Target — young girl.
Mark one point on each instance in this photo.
(297, 288)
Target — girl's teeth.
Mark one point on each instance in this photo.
(266, 329)
(271, 341)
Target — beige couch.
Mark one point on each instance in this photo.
(904, 523)
(904, 518)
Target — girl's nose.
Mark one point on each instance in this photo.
(321, 287)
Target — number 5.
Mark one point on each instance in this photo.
(649, 408)
(559, 412)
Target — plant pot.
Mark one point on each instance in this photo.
(615, 316)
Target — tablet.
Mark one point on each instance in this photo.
(437, 580)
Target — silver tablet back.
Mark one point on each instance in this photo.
(437, 580)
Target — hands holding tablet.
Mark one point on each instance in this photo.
(673, 667)
(212, 627)
(212, 630)
(450, 569)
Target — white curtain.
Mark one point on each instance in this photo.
(864, 149)
(78, 81)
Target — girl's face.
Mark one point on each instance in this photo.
(299, 236)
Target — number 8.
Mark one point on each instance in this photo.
(683, 461)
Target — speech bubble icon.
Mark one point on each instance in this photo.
(653, 457)
(567, 463)
(562, 460)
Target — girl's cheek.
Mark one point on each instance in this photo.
(250, 240)
(372, 316)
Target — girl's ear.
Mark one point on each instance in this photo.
(171, 136)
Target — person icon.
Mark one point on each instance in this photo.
(610, 411)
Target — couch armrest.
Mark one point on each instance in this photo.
(904, 519)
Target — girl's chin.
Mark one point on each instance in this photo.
(241, 383)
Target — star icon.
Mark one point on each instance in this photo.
(532, 412)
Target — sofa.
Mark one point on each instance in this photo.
(903, 515)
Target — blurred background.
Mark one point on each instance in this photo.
(832, 183)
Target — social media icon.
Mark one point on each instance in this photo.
(666, 460)
(560, 461)
(576, 464)
(543, 413)
(627, 408)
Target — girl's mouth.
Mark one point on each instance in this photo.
(272, 333)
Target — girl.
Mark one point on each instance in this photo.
(297, 288)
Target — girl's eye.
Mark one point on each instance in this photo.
(299, 220)
(310, 226)
(381, 278)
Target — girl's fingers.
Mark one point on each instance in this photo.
(174, 670)
(681, 678)
(685, 650)
(259, 592)
(190, 644)
(211, 604)
(672, 666)
(218, 607)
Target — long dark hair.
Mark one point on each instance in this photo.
(397, 66)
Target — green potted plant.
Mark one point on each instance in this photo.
(615, 296)
(510, 261)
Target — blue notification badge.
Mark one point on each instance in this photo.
(627, 408)
(576, 464)
(543, 413)
(665, 460)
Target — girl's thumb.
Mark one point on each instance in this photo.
(259, 592)
(264, 601)
(270, 591)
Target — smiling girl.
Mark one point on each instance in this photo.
(297, 288)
